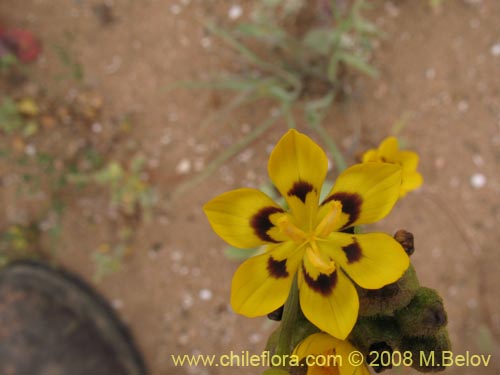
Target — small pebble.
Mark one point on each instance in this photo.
(187, 301)
(235, 12)
(495, 49)
(30, 150)
(206, 42)
(478, 180)
(117, 304)
(183, 339)
(255, 338)
(176, 255)
(430, 73)
(245, 156)
(96, 127)
(183, 167)
(440, 162)
(205, 294)
(463, 106)
(175, 9)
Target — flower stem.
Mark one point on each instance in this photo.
(288, 322)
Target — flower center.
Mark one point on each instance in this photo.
(329, 222)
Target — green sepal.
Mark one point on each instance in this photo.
(427, 351)
(424, 315)
(368, 332)
(391, 297)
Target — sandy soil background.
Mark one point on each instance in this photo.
(439, 74)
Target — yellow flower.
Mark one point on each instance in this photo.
(326, 355)
(310, 238)
(388, 152)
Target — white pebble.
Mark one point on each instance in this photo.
(206, 42)
(478, 180)
(495, 49)
(205, 294)
(245, 128)
(30, 150)
(440, 162)
(187, 301)
(463, 106)
(245, 156)
(96, 127)
(183, 339)
(175, 9)
(199, 164)
(235, 12)
(430, 73)
(117, 304)
(474, 23)
(184, 166)
(255, 338)
(176, 255)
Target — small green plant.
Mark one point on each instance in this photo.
(109, 258)
(301, 70)
(10, 117)
(67, 59)
(128, 189)
(19, 241)
(59, 173)
(8, 62)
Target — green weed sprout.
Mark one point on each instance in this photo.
(300, 71)
(128, 190)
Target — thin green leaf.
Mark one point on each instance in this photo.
(358, 63)
(235, 253)
(265, 32)
(320, 40)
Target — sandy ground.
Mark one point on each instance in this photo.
(439, 75)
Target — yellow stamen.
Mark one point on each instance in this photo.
(330, 221)
(322, 265)
(289, 229)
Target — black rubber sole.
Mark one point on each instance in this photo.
(51, 322)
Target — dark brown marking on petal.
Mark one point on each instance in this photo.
(300, 189)
(352, 251)
(324, 284)
(349, 230)
(277, 314)
(277, 268)
(261, 224)
(351, 205)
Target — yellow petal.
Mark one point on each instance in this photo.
(28, 107)
(261, 284)
(245, 218)
(388, 149)
(408, 160)
(367, 192)
(330, 302)
(298, 166)
(370, 155)
(371, 260)
(411, 181)
(321, 343)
